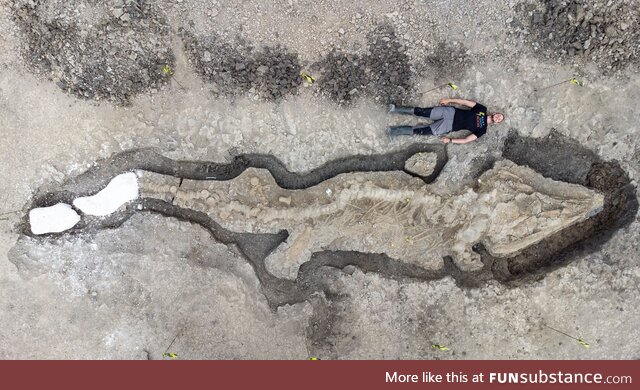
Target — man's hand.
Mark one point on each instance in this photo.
(445, 140)
(444, 102)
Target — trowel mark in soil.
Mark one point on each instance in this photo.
(549, 156)
(116, 53)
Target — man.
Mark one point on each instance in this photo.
(448, 119)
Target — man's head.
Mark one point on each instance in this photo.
(495, 117)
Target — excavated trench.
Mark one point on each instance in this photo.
(560, 158)
(555, 157)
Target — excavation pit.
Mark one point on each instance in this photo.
(592, 199)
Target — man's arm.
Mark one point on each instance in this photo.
(465, 140)
(460, 102)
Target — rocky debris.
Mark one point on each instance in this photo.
(343, 76)
(116, 53)
(270, 73)
(389, 65)
(449, 60)
(602, 32)
(236, 68)
(383, 72)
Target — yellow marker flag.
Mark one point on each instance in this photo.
(577, 82)
(439, 347)
(583, 343)
(308, 78)
(452, 86)
(314, 358)
(170, 355)
(167, 70)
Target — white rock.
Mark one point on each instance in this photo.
(122, 189)
(53, 219)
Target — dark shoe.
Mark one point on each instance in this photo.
(401, 109)
(400, 130)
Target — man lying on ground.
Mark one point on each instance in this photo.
(447, 119)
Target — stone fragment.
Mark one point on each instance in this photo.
(285, 199)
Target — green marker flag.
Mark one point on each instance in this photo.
(308, 78)
(450, 85)
(167, 70)
(439, 347)
(577, 82)
(583, 343)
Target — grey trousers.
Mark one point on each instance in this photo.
(442, 118)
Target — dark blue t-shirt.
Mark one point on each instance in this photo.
(474, 120)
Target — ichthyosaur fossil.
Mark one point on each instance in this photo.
(369, 211)
(511, 208)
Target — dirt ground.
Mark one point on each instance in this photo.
(84, 80)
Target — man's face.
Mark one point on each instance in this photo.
(497, 117)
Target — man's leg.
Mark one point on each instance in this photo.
(424, 112)
(422, 130)
(442, 126)
(407, 110)
(399, 130)
(442, 117)
(409, 130)
(436, 113)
